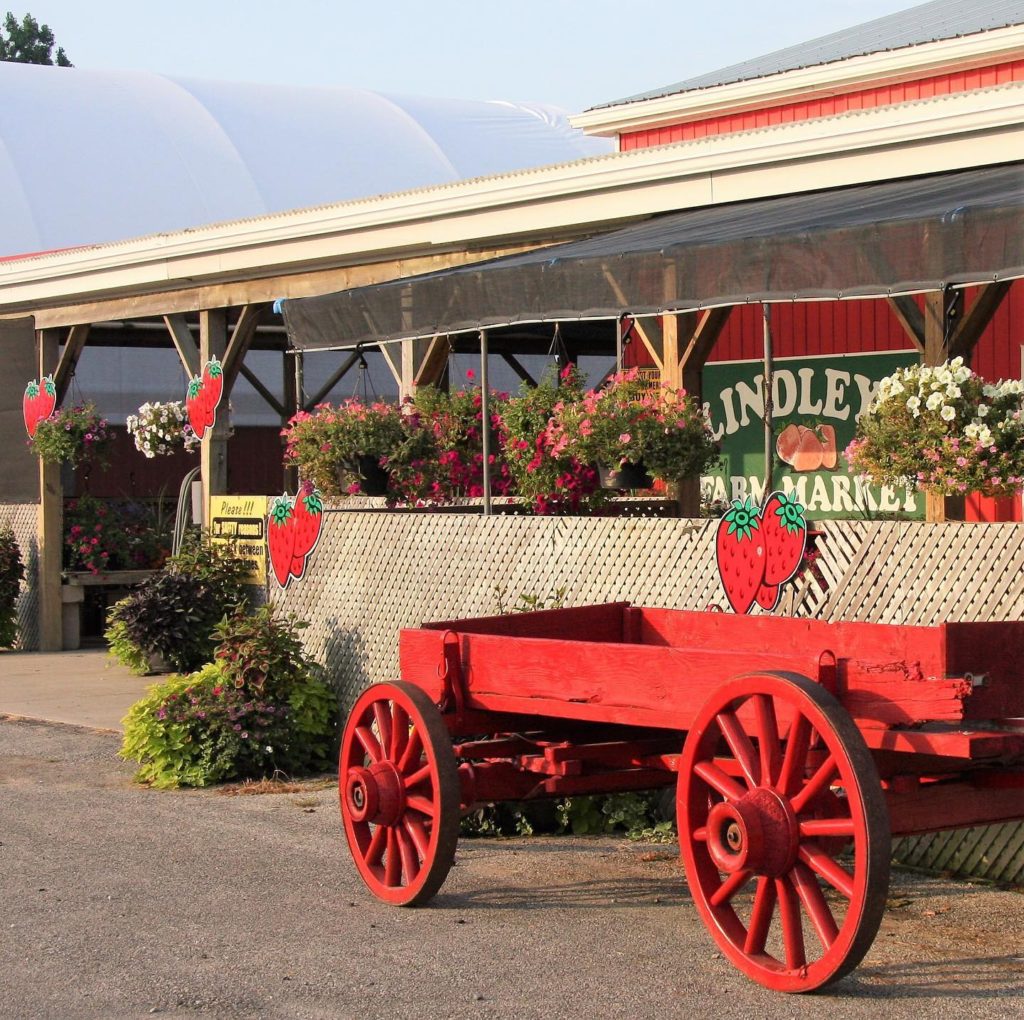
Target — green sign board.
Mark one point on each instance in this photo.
(816, 405)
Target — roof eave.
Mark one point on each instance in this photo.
(885, 67)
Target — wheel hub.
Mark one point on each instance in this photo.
(375, 794)
(758, 833)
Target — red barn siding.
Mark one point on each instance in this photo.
(850, 327)
(861, 99)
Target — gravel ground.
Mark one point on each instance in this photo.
(120, 902)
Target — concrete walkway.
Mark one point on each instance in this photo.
(83, 688)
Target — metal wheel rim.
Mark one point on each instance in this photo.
(412, 778)
(791, 875)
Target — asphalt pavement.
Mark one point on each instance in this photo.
(122, 902)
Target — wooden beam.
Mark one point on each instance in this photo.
(213, 342)
(650, 333)
(333, 381)
(699, 346)
(910, 318)
(433, 362)
(69, 359)
(969, 329)
(936, 326)
(250, 377)
(291, 372)
(513, 362)
(184, 342)
(50, 523)
(393, 359)
(241, 338)
(237, 293)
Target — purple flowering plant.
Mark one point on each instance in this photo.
(72, 435)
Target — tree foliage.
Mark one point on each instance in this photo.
(28, 42)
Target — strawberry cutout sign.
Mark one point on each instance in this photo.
(202, 398)
(759, 550)
(293, 531)
(38, 403)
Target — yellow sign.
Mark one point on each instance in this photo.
(241, 522)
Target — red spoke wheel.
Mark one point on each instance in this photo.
(784, 831)
(399, 787)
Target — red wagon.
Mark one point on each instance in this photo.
(798, 749)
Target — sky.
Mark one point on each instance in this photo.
(571, 53)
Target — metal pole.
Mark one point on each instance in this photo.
(485, 414)
(769, 387)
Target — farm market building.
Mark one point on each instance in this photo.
(867, 185)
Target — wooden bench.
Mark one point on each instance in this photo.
(72, 595)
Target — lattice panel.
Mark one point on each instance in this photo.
(991, 852)
(22, 517)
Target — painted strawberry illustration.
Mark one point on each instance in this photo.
(47, 398)
(193, 406)
(740, 553)
(767, 596)
(30, 407)
(309, 511)
(785, 536)
(213, 388)
(281, 537)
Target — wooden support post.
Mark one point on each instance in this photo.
(936, 334)
(213, 342)
(292, 402)
(407, 370)
(968, 330)
(50, 525)
(184, 342)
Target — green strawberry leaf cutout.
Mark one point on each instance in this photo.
(790, 513)
(314, 503)
(32, 390)
(195, 384)
(47, 383)
(281, 511)
(742, 518)
(213, 366)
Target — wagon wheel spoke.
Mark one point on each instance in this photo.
(399, 733)
(417, 777)
(813, 828)
(730, 887)
(760, 917)
(370, 745)
(794, 761)
(767, 738)
(741, 747)
(400, 793)
(719, 781)
(837, 877)
(382, 716)
(792, 926)
(410, 862)
(816, 785)
(814, 903)
(784, 832)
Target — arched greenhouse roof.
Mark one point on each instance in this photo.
(88, 157)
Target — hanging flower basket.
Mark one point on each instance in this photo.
(944, 431)
(626, 476)
(373, 479)
(72, 435)
(162, 429)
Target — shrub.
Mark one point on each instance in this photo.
(105, 535)
(12, 571)
(257, 709)
(173, 613)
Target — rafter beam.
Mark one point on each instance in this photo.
(333, 381)
(393, 359)
(910, 317)
(970, 327)
(65, 369)
(513, 362)
(184, 343)
(433, 363)
(250, 377)
(241, 338)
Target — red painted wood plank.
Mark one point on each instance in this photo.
(952, 806)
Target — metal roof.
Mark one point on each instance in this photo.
(930, 22)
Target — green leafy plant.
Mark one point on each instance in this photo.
(173, 614)
(104, 535)
(637, 814)
(529, 602)
(232, 719)
(945, 429)
(12, 572)
(72, 435)
(629, 422)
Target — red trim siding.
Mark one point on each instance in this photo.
(851, 327)
(862, 99)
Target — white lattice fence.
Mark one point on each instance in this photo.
(22, 517)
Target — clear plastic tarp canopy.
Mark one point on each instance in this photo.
(871, 240)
